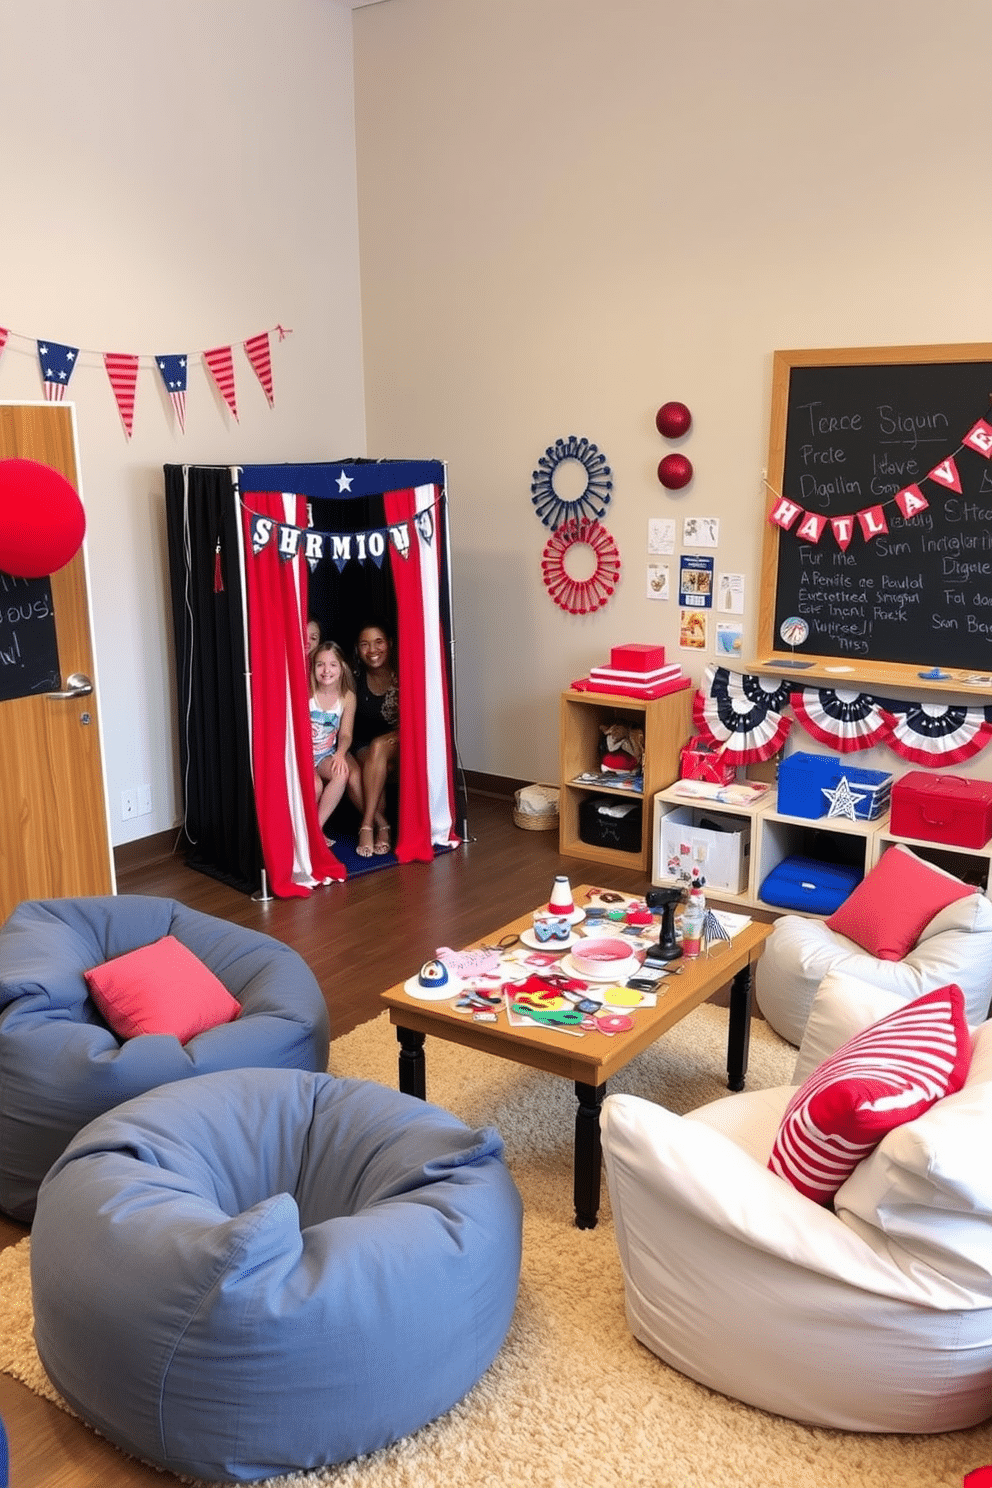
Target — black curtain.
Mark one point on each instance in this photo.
(211, 665)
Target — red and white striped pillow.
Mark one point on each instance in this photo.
(884, 1076)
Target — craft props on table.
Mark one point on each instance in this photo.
(741, 714)
(939, 734)
(841, 718)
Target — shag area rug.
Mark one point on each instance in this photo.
(572, 1398)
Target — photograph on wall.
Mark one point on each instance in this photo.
(661, 534)
(729, 639)
(658, 581)
(730, 593)
(700, 532)
(692, 630)
(695, 582)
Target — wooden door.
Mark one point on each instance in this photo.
(54, 837)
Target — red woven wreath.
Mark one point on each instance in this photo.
(580, 596)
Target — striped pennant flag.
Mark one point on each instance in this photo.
(122, 369)
(258, 353)
(4, 333)
(57, 365)
(173, 370)
(221, 365)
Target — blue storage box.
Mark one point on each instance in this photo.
(809, 884)
(802, 779)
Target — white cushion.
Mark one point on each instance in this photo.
(842, 1006)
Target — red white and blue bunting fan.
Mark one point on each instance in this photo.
(580, 596)
(935, 734)
(553, 508)
(741, 715)
(842, 719)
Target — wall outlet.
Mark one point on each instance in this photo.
(144, 800)
(129, 804)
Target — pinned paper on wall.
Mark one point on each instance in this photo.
(693, 630)
(661, 534)
(730, 593)
(729, 638)
(696, 582)
(658, 581)
(700, 532)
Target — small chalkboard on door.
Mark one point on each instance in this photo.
(29, 657)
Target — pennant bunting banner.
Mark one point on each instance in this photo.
(220, 363)
(871, 520)
(340, 547)
(58, 362)
(57, 365)
(122, 369)
(174, 370)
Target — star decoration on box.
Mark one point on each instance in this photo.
(843, 801)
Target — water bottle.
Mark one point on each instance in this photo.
(692, 924)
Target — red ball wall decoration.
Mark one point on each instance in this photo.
(41, 519)
(673, 420)
(674, 472)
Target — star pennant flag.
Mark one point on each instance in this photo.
(57, 365)
(259, 354)
(173, 370)
(221, 365)
(122, 369)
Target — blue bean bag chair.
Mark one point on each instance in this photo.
(60, 1062)
(264, 1272)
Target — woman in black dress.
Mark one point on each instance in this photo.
(376, 740)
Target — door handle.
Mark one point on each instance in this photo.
(77, 685)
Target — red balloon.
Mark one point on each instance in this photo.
(673, 420)
(675, 471)
(41, 519)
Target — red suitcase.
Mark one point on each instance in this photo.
(942, 808)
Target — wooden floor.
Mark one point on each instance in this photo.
(359, 937)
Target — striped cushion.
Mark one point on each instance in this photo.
(886, 1075)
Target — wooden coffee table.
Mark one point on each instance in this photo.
(588, 1061)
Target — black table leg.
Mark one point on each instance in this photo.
(739, 1034)
(588, 1154)
(413, 1072)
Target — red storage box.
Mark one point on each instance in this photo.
(637, 657)
(942, 808)
(700, 761)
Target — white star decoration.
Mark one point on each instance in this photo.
(344, 482)
(842, 799)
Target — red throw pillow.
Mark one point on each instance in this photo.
(885, 1076)
(160, 988)
(893, 904)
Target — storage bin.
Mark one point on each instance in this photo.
(942, 808)
(802, 779)
(610, 821)
(700, 761)
(697, 842)
(809, 884)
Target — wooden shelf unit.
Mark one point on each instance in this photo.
(667, 725)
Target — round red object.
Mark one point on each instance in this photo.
(673, 420)
(674, 472)
(41, 519)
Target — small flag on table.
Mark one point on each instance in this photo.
(173, 370)
(57, 365)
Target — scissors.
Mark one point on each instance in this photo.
(553, 1016)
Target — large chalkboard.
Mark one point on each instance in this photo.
(29, 658)
(850, 430)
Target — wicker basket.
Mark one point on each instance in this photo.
(536, 821)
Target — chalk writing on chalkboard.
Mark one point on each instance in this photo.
(852, 436)
(29, 658)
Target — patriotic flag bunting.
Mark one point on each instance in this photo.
(3, 339)
(57, 365)
(259, 354)
(946, 474)
(221, 365)
(173, 370)
(122, 369)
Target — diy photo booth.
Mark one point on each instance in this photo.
(254, 551)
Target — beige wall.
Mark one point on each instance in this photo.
(175, 177)
(572, 211)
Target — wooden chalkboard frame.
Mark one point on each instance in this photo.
(774, 657)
